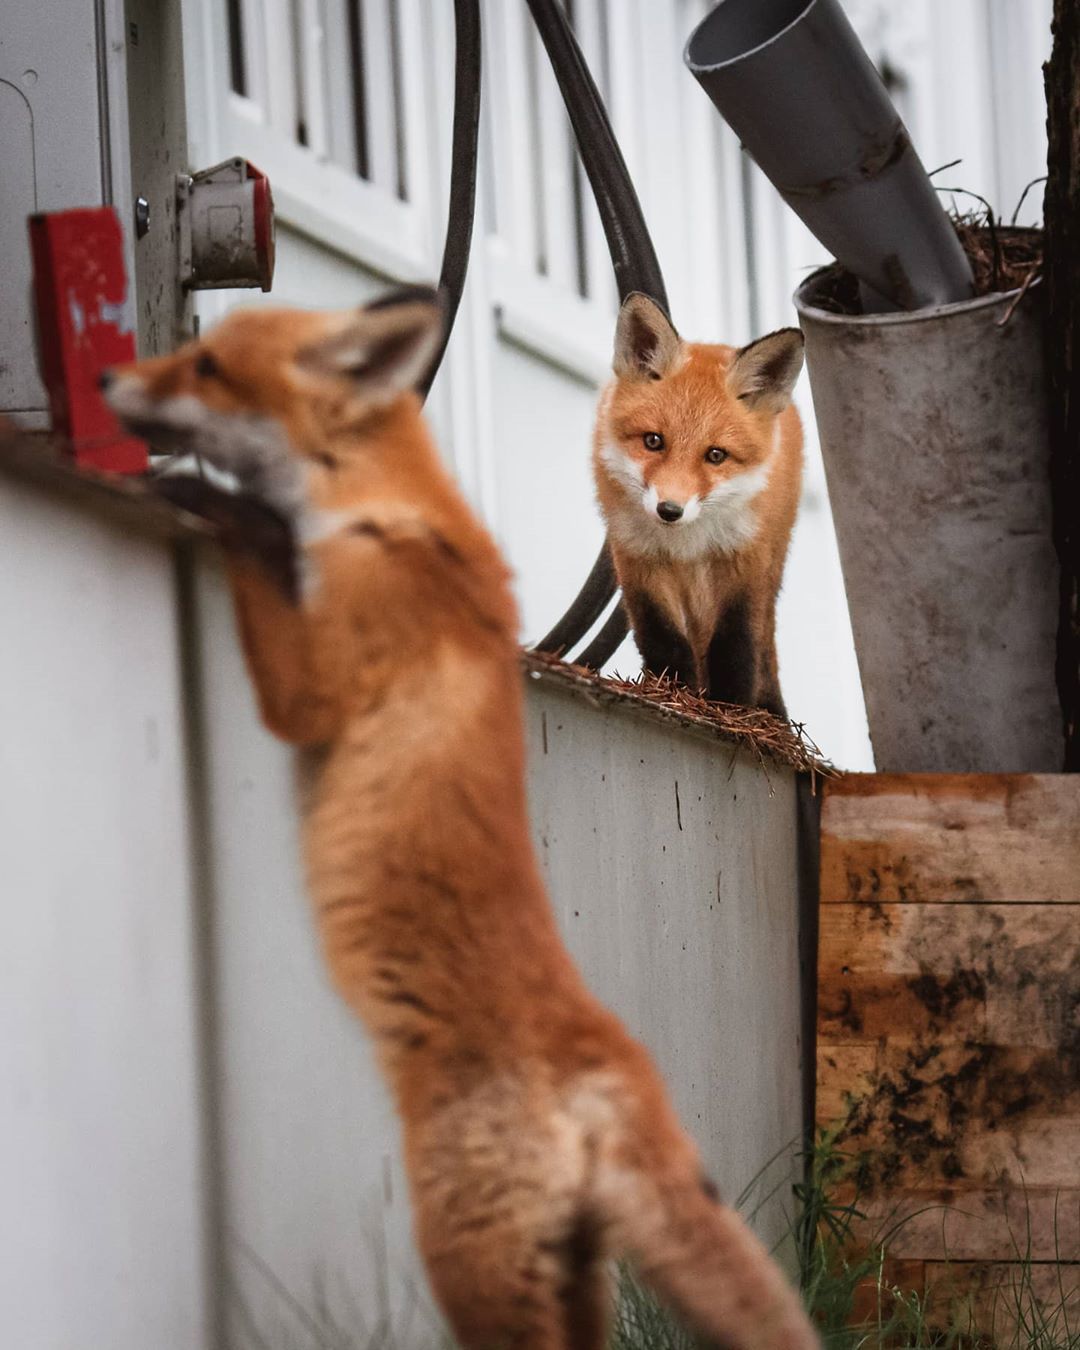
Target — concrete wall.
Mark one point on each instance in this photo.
(673, 868)
(101, 1240)
(190, 1121)
(672, 862)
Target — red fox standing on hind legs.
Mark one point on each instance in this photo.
(697, 458)
(380, 633)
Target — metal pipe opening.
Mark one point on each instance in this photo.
(735, 28)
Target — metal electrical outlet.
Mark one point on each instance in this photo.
(226, 220)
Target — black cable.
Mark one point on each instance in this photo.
(633, 257)
(462, 205)
(591, 602)
(606, 642)
(632, 254)
(634, 261)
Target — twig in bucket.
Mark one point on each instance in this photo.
(991, 225)
(1020, 251)
(942, 167)
(1018, 297)
(1023, 196)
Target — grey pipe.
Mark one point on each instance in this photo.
(794, 83)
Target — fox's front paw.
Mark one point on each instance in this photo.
(243, 523)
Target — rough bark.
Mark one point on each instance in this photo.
(1062, 215)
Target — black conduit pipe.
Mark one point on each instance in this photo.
(592, 600)
(632, 254)
(636, 269)
(606, 642)
(633, 257)
(462, 206)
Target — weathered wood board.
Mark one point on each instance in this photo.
(948, 1054)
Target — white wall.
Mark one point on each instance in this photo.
(191, 1121)
(684, 918)
(102, 1240)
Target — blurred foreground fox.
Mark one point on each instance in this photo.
(379, 629)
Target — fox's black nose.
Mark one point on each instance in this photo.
(104, 379)
(669, 511)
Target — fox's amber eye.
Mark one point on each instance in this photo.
(653, 440)
(715, 455)
(205, 365)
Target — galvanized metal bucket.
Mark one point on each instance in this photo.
(933, 430)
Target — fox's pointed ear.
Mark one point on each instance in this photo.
(646, 344)
(763, 374)
(385, 347)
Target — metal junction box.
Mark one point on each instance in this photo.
(226, 227)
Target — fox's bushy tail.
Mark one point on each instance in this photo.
(702, 1259)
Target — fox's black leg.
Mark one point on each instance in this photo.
(732, 660)
(664, 650)
(245, 525)
(770, 698)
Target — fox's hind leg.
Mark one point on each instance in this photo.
(587, 1306)
(503, 1294)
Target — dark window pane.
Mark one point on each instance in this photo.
(299, 91)
(237, 64)
(359, 92)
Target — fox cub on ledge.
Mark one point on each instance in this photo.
(698, 463)
(379, 631)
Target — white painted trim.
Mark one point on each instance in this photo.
(555, 152)
(626, 105)
(1019, 38)
(312, 60)
(505, 61)
(253, 19)
(418, 112)
(332, 205)
(378, 95)
(558, 325)
(279, 103)
(666, 193)
(962, 95)
(599, 280)
(338, 93)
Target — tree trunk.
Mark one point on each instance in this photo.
(1062, 215)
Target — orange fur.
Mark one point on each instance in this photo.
(686, 577)
(538, 1137)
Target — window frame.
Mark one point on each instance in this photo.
(365, 221)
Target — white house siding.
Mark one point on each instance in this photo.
(514, 405)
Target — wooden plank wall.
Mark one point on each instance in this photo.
(949, 1014)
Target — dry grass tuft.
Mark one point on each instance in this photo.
(765, 736)
(1003, 258)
